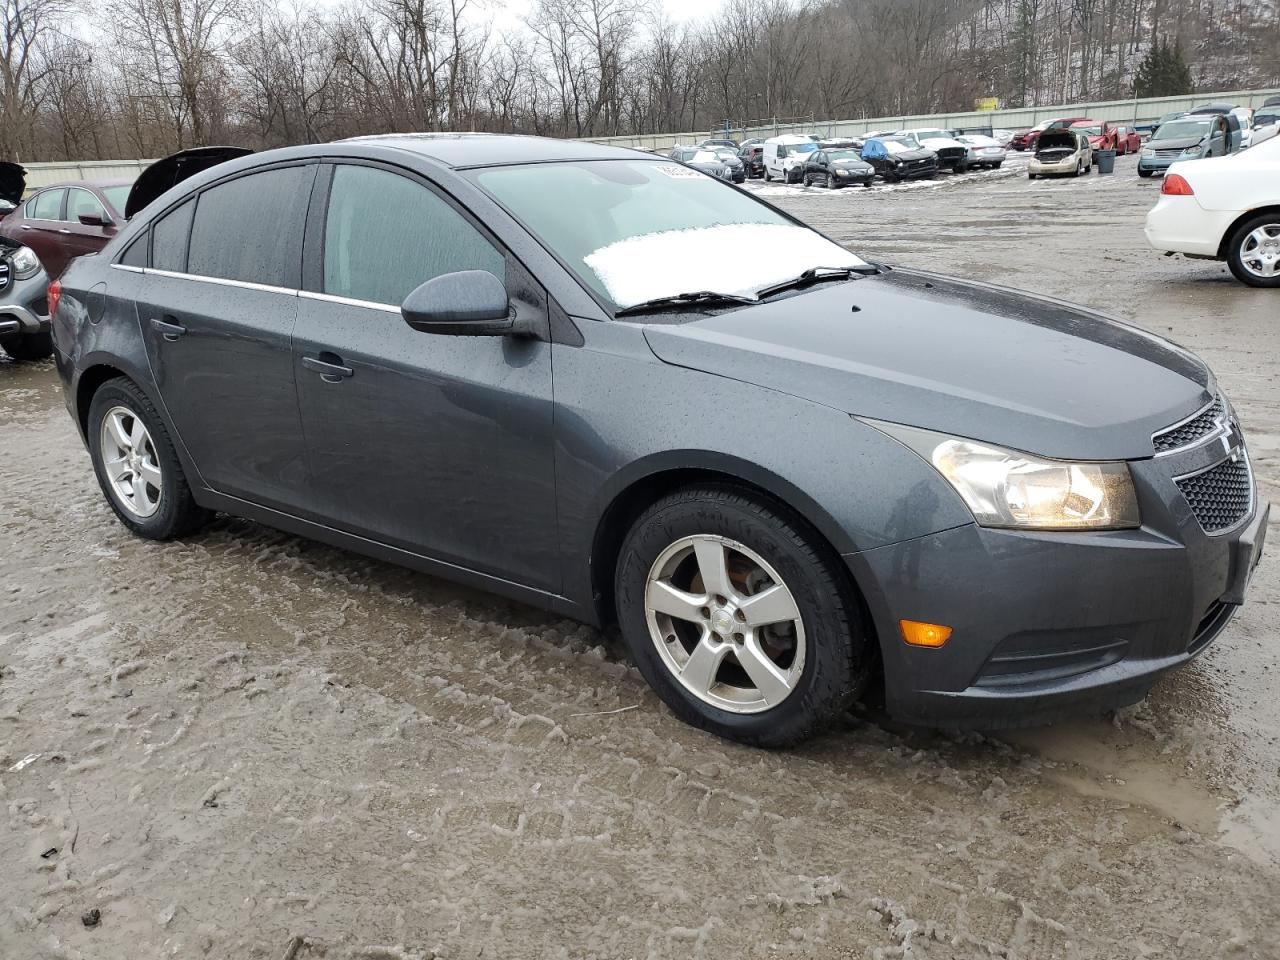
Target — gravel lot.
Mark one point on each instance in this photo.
(248, 745)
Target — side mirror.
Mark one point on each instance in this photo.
(95, 220)
(467, 303)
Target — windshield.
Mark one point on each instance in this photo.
(704, 156)
(117, 196)
(637, 230)
(1181, 129)
(802, 147)
(724, 153)
(906, 140)
(931, 134)
(842, 154)
(1089, 130)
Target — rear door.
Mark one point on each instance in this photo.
(217, 312)
(43, 228)
(441, 445)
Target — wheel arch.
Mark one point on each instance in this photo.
(649, 481)
(90, 381)
(1230, 232)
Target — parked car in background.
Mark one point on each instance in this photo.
(899, 157)
(705, 161)
(950, 497)
(785, 157)
(1266, 124)
(730, 158)
(1101, 133)
(951, 152)
(1230, 119)
(981, 151)
(1189, 137)
(1026, 139)
(1061, 151)
(1224, 208)
(751, 154)
(68, 219)
(1128, 140)
(834, 167)
(721, 142)
(841, 143)
(1003, 137)
(24, 310)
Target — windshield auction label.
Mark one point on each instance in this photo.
(675, 170)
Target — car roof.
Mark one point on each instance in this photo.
(461, 150)
(88, 184)
(788, 138)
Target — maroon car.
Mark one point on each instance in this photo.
(1026, 139)
(67, 219)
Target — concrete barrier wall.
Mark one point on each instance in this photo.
(42, 174)
(1121, 111)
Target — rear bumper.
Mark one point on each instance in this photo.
(1180, 224)
(1047, 625)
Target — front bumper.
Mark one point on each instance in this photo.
(24, 306)
(1047, 625)
(1068, 165)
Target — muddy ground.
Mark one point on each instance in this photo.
(249, 745)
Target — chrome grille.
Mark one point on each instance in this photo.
(6, 273)
(1166, 152)
(1212, 418)
(1221, 496)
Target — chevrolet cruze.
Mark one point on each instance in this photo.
(607, 384)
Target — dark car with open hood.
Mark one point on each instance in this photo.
(789, 474)
(24, 310)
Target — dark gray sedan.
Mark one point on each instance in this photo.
(602, 383)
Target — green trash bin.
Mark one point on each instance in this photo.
(1105, 160)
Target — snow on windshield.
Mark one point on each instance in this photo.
(893, 146)
(738, 258)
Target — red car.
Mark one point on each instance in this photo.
(1102, 134)
(67, 220)
(1026, 139)
(1128, 140)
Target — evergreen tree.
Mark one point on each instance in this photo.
(1163, 72)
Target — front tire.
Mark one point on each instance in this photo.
(1253, 252)
(738, 616)
(137, 466)
(1143, 173)
(28, 347)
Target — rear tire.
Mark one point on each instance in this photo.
(161, 506)
(1250, 234)
(817, 653)
(28, 347)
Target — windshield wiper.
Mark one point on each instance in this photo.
(683, 300)
(817, 275)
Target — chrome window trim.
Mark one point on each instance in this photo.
(128, 267)
(348, 301)
(221, 281)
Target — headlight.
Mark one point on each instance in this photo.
(1006, 488)
(842, 173)
(1192, 152)
(25, 263)
(1148, 154)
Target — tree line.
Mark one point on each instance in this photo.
(104, 79)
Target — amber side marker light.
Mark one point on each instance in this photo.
(924, 634)
(1176, 186)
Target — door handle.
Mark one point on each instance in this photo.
(26, 226)
(64, 230)
(168, 328)
(329, 366)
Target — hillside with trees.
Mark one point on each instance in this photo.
(140, 78)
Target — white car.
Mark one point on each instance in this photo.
(1224, 208)
(982, 151)
(785, 157)
(951, 152)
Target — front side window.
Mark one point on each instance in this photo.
(250, 228)
(83, 202)
(385, 235)
(47, 206)
(636, 230)
(117, 196)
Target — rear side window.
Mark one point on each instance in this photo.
(169, 239)
(47, 206)
(385, 234)
(250, 228)
(136, 254)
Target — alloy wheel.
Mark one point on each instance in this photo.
(130, 461)
(1260, 251)
(725, 624)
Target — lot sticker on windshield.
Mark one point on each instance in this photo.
(675, 170)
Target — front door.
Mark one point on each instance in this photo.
(218, 316)
(441, 445)
(83, 238)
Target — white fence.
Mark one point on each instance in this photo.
(1122, 111)
(42, 174)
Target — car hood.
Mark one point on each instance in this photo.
(13, 181)
(855, 164)
(941, 143)
(968, 359)
(1178, 143)
(912, 154)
